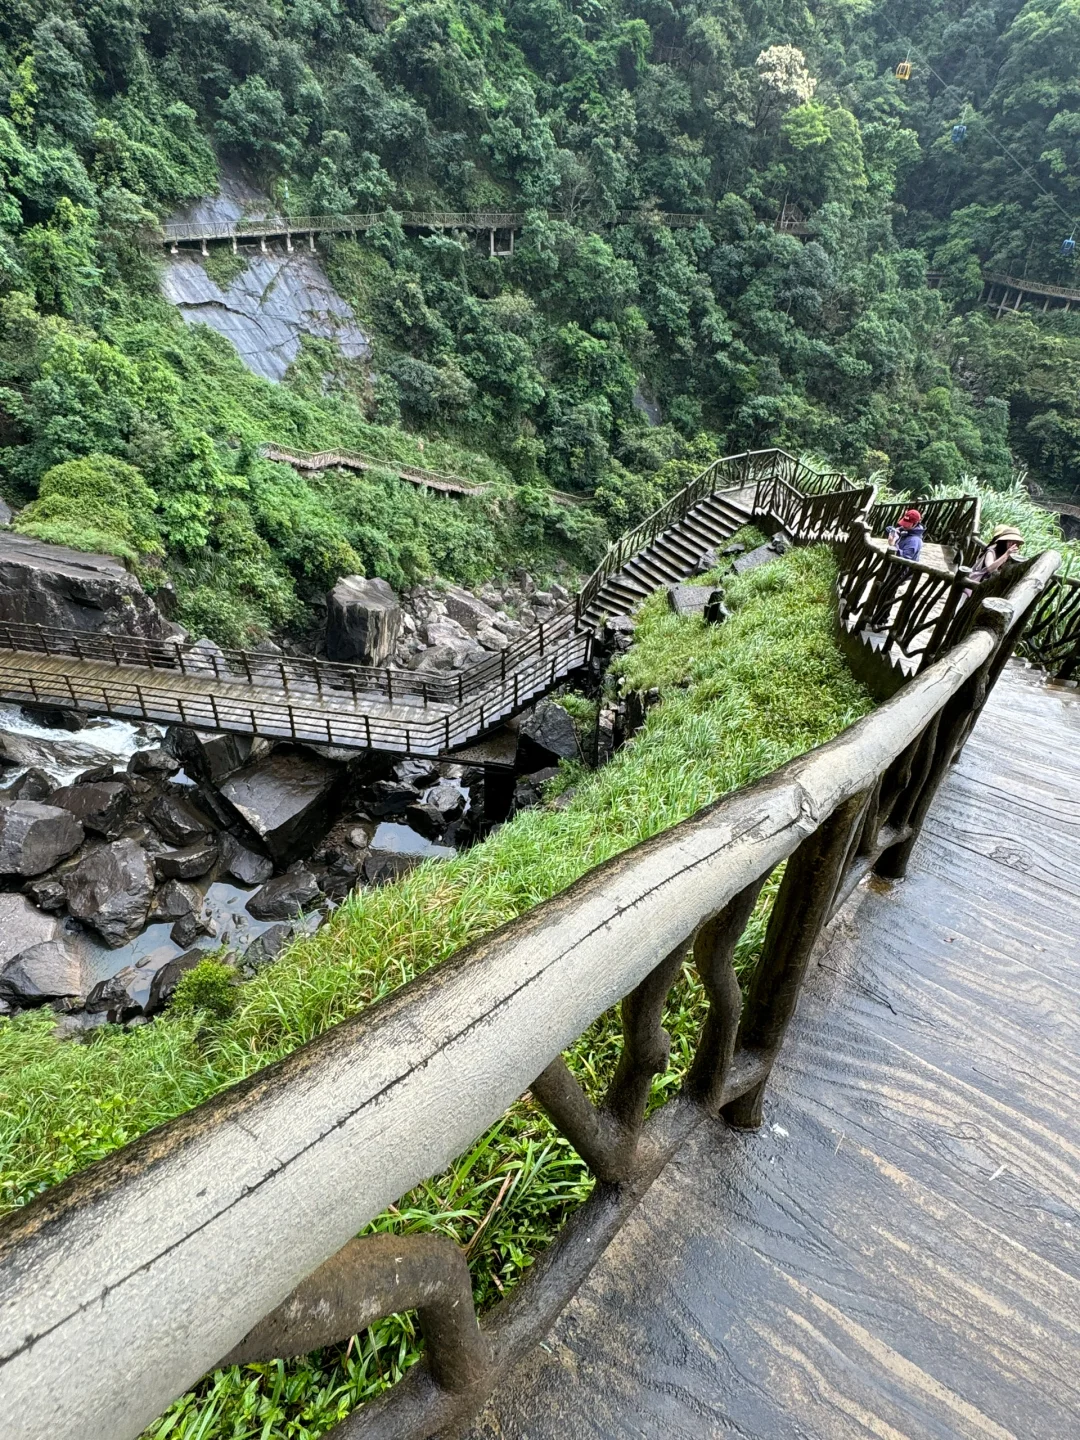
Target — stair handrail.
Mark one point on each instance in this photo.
(228, 1231)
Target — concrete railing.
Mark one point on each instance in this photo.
(227, 1232)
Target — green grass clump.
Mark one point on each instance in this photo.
(737, 701)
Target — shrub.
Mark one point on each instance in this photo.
(99, 503)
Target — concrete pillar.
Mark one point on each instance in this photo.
(288, 242)
(1004, 297)
(1068, 306)
(1019, 297)
(511, 250)
(311, 241)
(491, 252)
(173, 248)
(205, 251)
(234, 244)
(1046, 304)
(262, 243)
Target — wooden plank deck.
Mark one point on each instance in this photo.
(897, 1252)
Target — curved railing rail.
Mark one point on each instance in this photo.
(954, 522)
(226, 1233)
(1052, 637)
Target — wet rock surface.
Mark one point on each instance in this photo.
(285, 799)
(546, 736)
(100, 807)
(111, 889)
(46, 971)
(34, 836)
(187, 863)
(285, 896)
(363, 621)
(42, 584)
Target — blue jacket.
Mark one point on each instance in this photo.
(909, 544)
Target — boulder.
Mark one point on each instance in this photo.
(175, 899)
(389, 797)
(416, 772)
(529, 789)
(211, 755)
(363, 621)
(53, 717)
(466, 609)
(492, 639)
(168, 976)
(426, 820)
(716, 612)
(32, 784)
(286, 799)
(121, 997)
(43, 972)
(285, 896)
(547, 735)
(447, 800)
(34, 837)
(110, 889)
(187, 863)
(266, 948)
(244, 865)
(187, 928)
(155, 761)
(176, 819)
(46, 892)
(383, 866)
(707, 562)
(23, 925)
(50, 585)
(100, 808)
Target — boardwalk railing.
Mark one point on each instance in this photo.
(1052, 637)
(228, 1233)
(254, 228)
(357, 460)
(953, 522)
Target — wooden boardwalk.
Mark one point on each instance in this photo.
(897, 1252)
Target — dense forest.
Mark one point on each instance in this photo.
(606, 359)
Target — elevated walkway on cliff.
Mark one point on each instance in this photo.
(897, 1252)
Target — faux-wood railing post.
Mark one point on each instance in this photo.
(802, 908)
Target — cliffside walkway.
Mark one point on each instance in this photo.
(897, 1252)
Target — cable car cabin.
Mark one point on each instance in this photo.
(1068, 246)
(903, 70)
(959, 132)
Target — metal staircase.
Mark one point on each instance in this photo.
(674, 554)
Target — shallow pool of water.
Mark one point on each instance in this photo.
(395, 839)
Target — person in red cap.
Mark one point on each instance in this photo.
(906, 536)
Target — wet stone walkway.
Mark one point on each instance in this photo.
(897, 1252)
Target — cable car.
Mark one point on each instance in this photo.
(1068, 245)
(903, 70)
(959, 132)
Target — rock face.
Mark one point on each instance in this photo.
(110, 889)
(208, 755)
(121, 997)
(163, 985)
(284, 799)
(100, 808)
(546, 735)
(176, 820)
(34, 837)
(285, 896)
(363, 621)
(243, 864)
(50, 585)
(187, 863)
(47, 971)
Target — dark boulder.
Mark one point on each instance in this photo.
(167, 977)
(286, 799)
(210, 755)
(46, 892)
(176, 819)
(35, 837)
(174, 899)
(529, 789)
(187, 863)
(244, 865)
(121, 997)
(32, 784)
(363, 621)
(266, 948)
(50, 585)
(419, 773)
(286, 896)
(155, 762)
(426, 820)
(547, 735)
(448, 800)
(389, 797)
(22, 924)
(54, 718)
(100, 808)
(110, 889)
(383, 866)
(47, 971)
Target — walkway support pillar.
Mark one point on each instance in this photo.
(311, 241)
(205, 251)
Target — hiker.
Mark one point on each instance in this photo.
(906, 536)
(1004, 543)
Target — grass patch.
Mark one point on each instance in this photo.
(737, 701)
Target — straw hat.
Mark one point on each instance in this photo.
(1007, 532)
